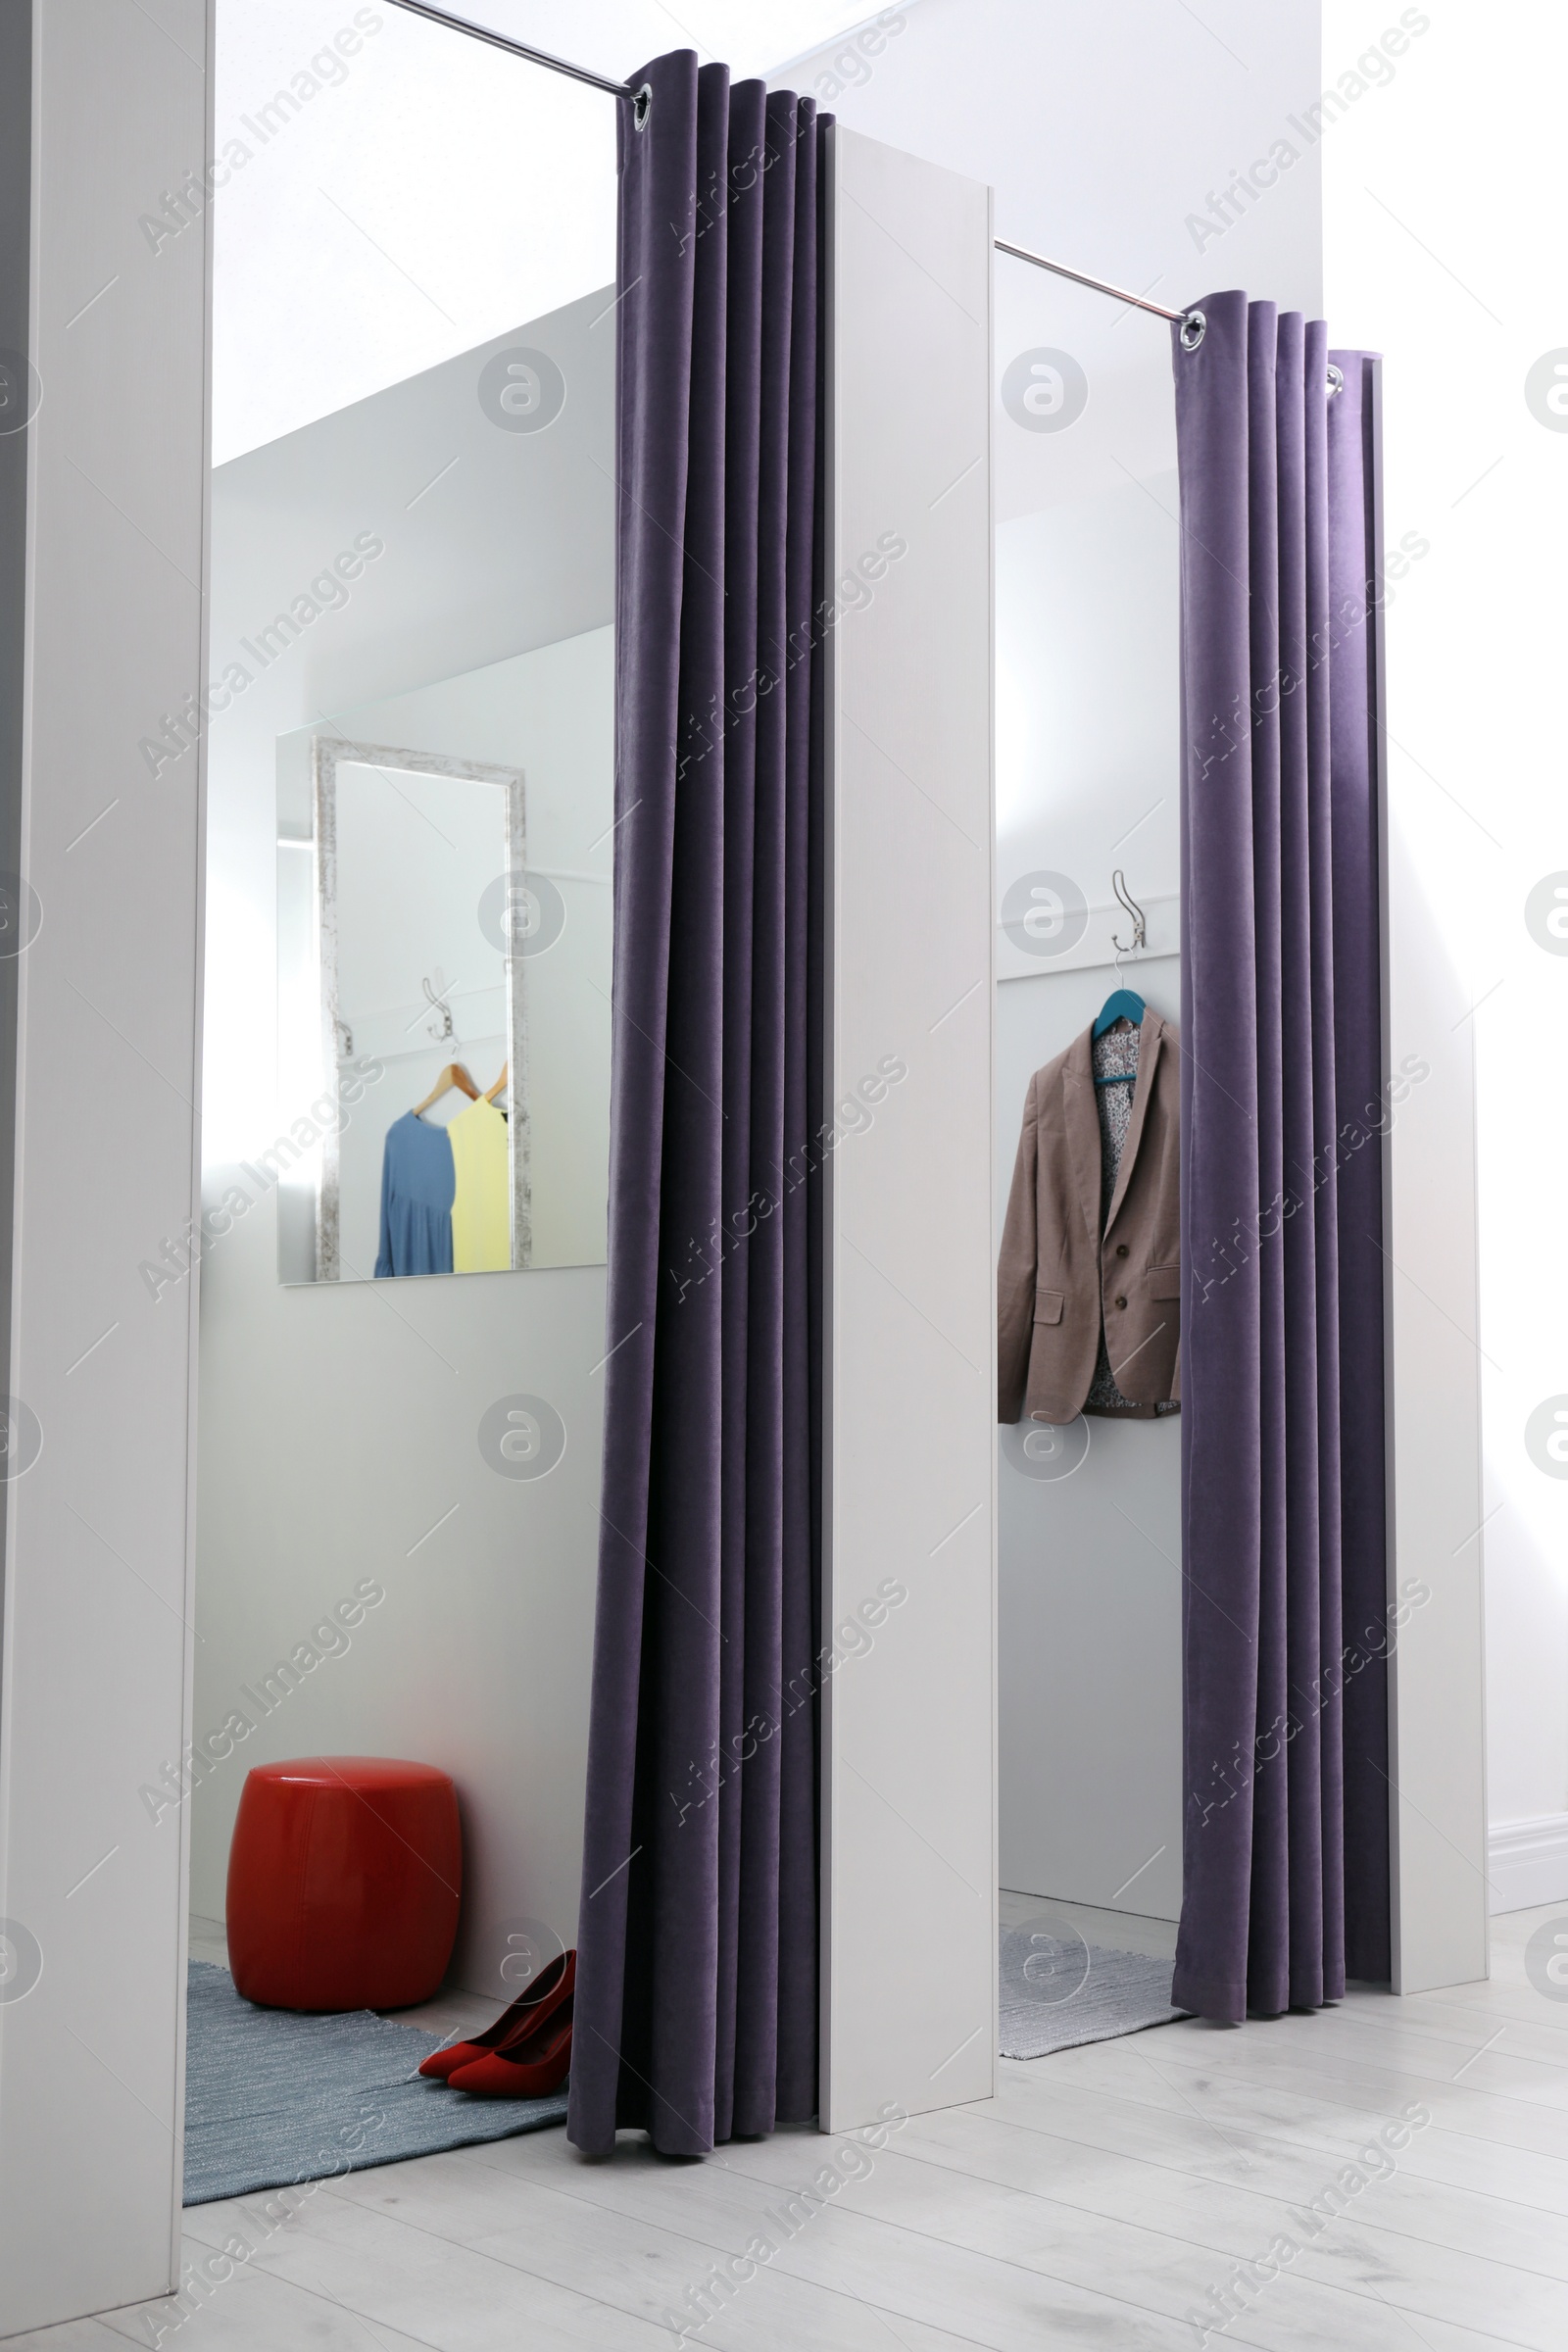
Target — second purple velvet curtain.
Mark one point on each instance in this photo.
(696, 2008)
(1285, 1625)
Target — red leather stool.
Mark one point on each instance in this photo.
(344, 1876)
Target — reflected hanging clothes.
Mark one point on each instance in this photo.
(418, 1186)
(481, 1212)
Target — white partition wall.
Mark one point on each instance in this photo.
(910, 1873)
(1466, 842)
(1437, 1715)
(99, 1146)
(1436, 1509)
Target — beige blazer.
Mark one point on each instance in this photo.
(1059, 1276)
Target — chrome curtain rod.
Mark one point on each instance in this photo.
(1097, 285)
(1192, 323)
(535, 57)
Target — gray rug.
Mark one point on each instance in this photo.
(1059, 1991)
(273, 2097)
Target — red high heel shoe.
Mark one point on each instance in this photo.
(527, 2014)
(532, 2064)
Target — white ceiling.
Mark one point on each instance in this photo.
(430, 192)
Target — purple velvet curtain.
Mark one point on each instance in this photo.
(1286, 1853)
(696, 2007)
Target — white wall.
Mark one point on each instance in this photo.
(340, 1425)
(1456, 274)
(1102, 132)
(390, 193)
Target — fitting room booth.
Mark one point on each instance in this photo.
(112, 619)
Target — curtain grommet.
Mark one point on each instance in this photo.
(642, 106)
(1193, 327)
(1336, 379)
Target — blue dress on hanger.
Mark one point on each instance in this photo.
(418, 1184)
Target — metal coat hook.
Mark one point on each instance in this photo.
(436, 999)
(1124, 898)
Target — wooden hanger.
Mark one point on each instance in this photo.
(453, 1075)
(499, 1088)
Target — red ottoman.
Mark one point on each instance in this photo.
(343, 1883)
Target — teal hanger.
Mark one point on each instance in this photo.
(1123, 1004)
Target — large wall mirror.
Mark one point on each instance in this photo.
(410, 847)
(444, 972)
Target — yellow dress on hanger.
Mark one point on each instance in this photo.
(481, 1205)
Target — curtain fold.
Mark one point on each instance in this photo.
(1284, 1724)
(1366, 1104)
(696, 2007)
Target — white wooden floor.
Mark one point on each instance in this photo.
(1096, 2202)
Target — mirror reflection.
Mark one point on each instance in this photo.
(444, 898)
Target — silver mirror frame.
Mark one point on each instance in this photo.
(330, 752)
